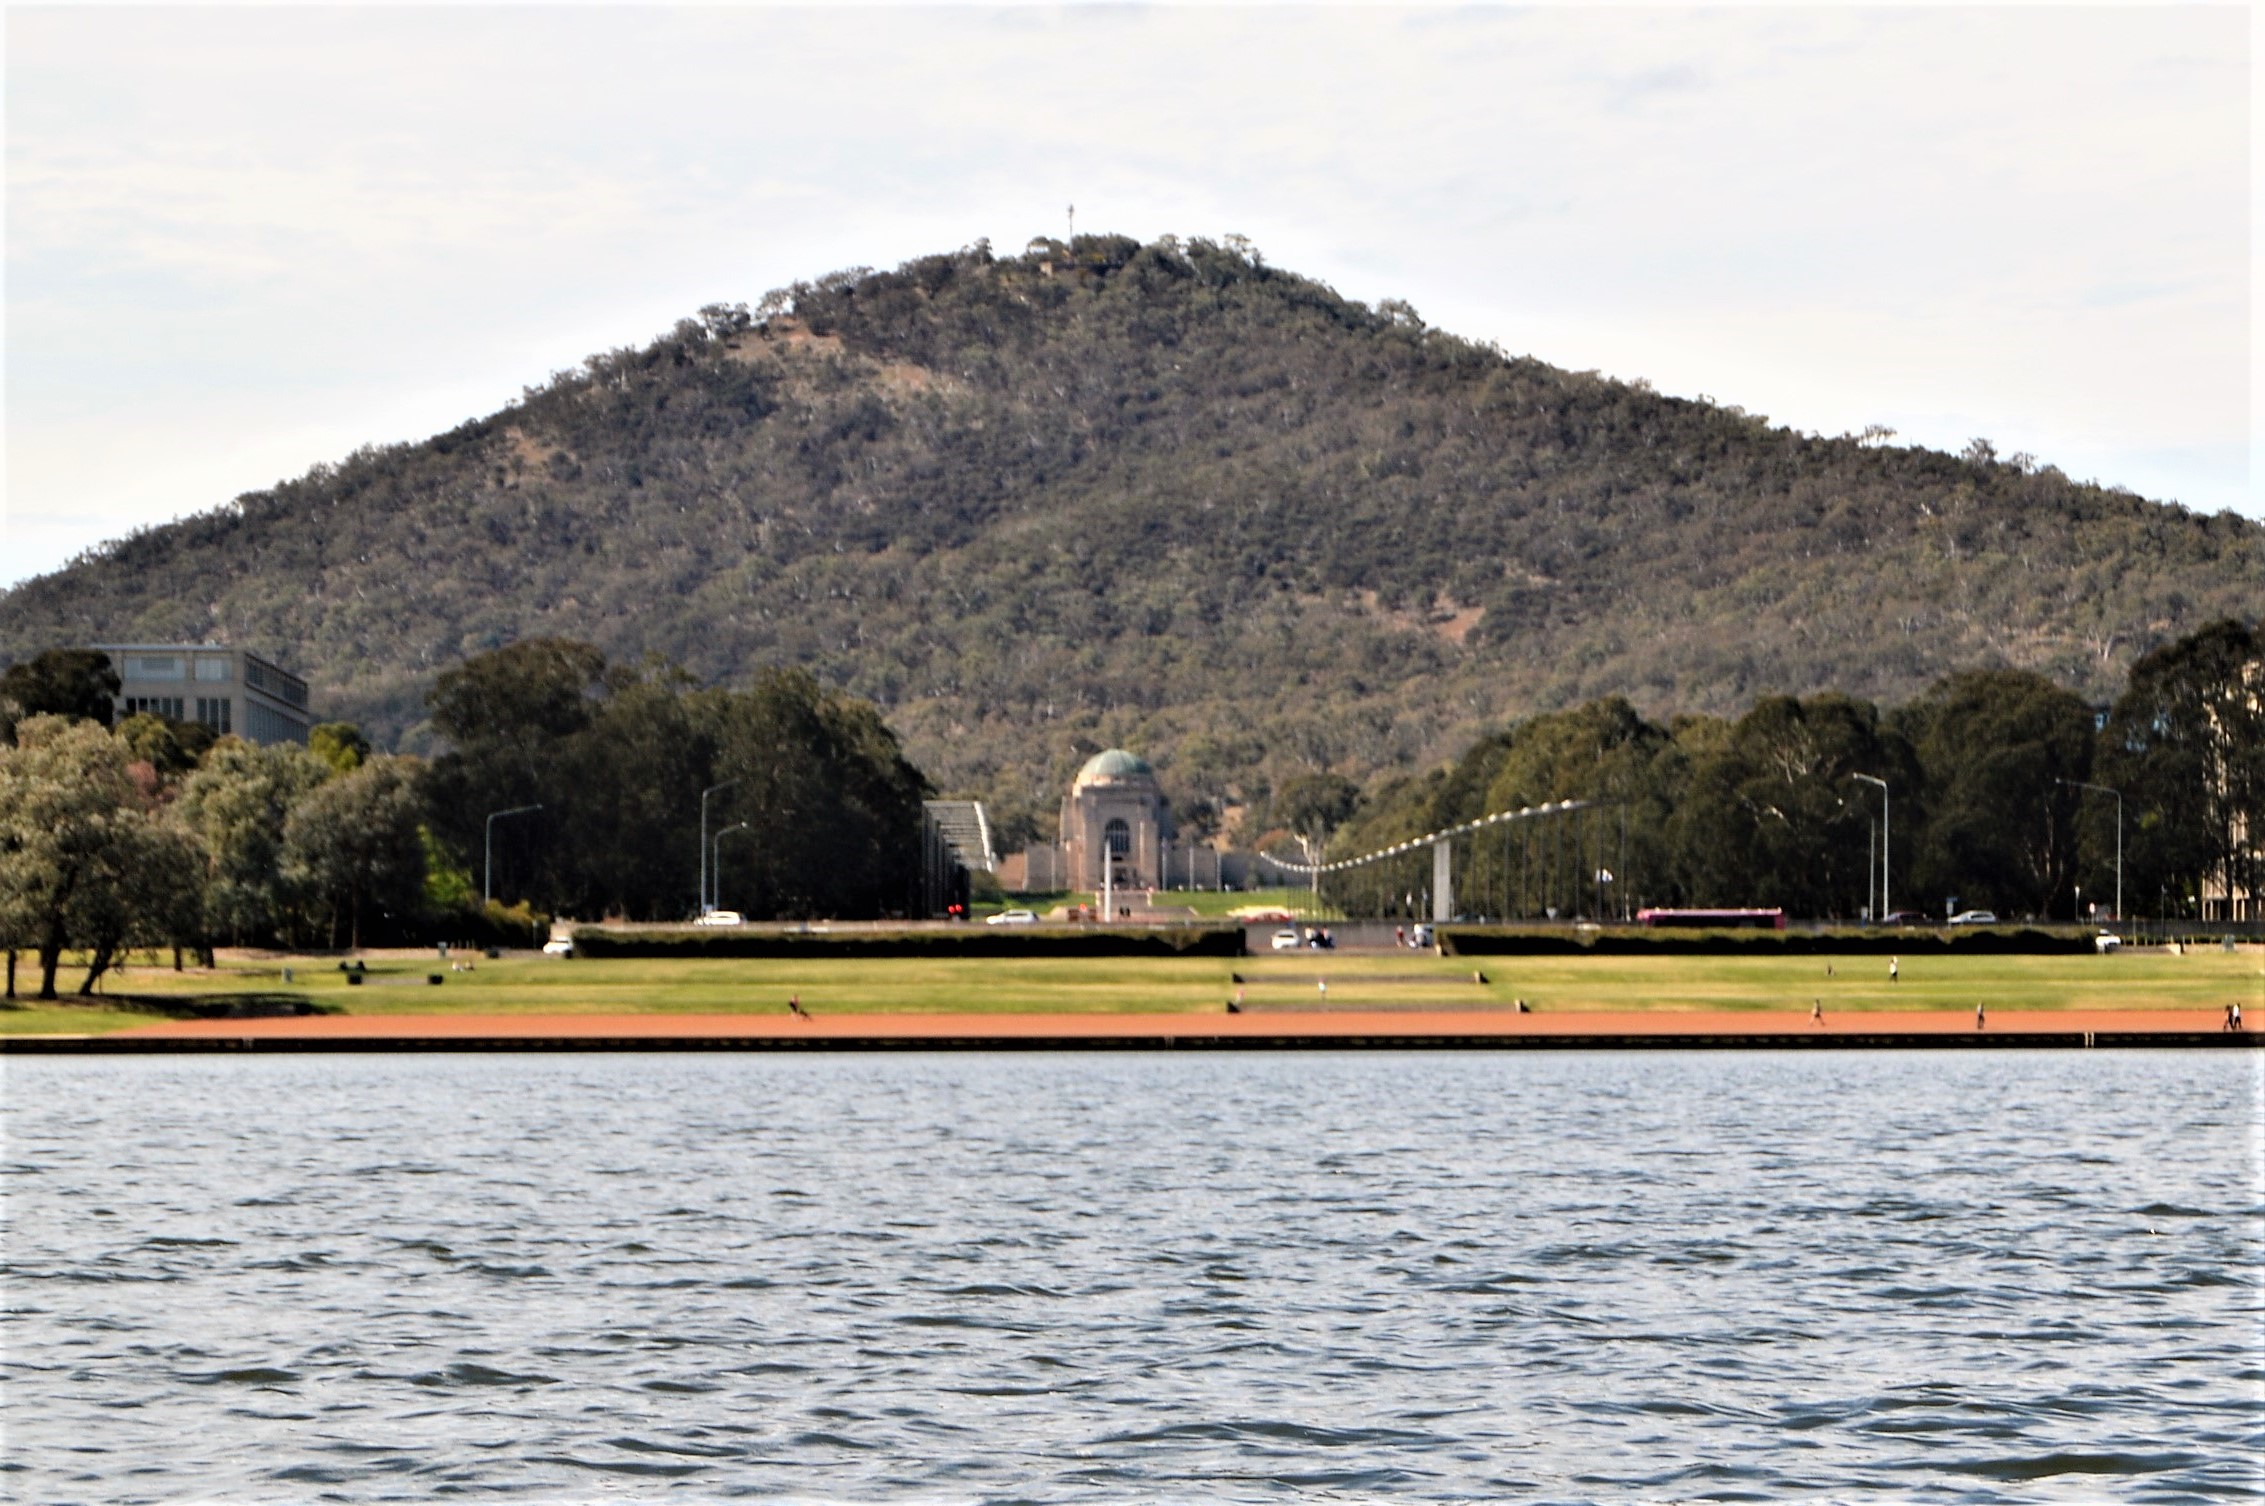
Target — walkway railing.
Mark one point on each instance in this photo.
(1441, 843)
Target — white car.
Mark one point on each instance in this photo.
(721, 918)
(1011, 918)
(2108, 941)
(1975, 918)
(558, 946)
(1288, 941)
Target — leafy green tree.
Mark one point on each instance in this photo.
(339, 744)
(356, 845)
(449, 885)
(83, 862)
(519, 722)
(149, 897)
(1314, 805)
(72, 682)
(2185, 742)
(521, 697)
(832, 805)
(171, 748)
(2001, 827)
(1631, 769)
(1773, 814)
(236, 805)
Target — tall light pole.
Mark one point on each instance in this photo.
(1885, 907)
(704, 794)
(487, 850)
(2078, 784)
(716, 865)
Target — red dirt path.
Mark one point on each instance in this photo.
(1316, 1027)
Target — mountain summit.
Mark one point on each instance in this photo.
(1161, 496)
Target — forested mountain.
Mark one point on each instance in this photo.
(1163, 496)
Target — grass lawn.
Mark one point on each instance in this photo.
(523, 984)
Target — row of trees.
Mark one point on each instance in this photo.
(2005, 791)
(113, 839)
(155, 833)
(814, 808)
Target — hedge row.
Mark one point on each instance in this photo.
(1499, 941)
(955, 941)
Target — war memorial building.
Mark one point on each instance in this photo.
(1114, 815)
(226, 689)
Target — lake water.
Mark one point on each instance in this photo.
(1251, 1277)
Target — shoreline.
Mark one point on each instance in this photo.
(1266, 1030)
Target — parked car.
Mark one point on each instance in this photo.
(1419, 936)
(1012, 918)
(1904, 918)
(558, 946)
(1975, 918)
(2108, 941)
(1288, 941)
(721, 918)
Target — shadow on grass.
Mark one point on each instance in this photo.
(247, 1006)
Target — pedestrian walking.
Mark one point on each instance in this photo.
(1817, 1011)
(1894, 968)
(1977, 1017)
(2229, 1018)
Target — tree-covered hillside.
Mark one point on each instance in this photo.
(1162, 496)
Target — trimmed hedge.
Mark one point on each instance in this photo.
(1506, 941)
(955, 941)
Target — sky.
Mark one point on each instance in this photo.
(241, 241)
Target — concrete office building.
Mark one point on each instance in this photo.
(226, 689)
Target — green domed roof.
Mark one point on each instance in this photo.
(1114, 766)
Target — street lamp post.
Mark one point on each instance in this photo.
(704, 794)
(1885, 908)
(716, 861)
(487, 850)
(2078, 784)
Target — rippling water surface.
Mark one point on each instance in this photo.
(1998, 1276)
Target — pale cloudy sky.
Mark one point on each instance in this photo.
(243, 240)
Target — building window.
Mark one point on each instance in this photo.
(214, 713)
(154, 705)
(264, 724)
(284, 687)
(152, 667)
(212, 671)
(1117, 837)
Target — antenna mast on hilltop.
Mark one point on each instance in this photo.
(1073, 222)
